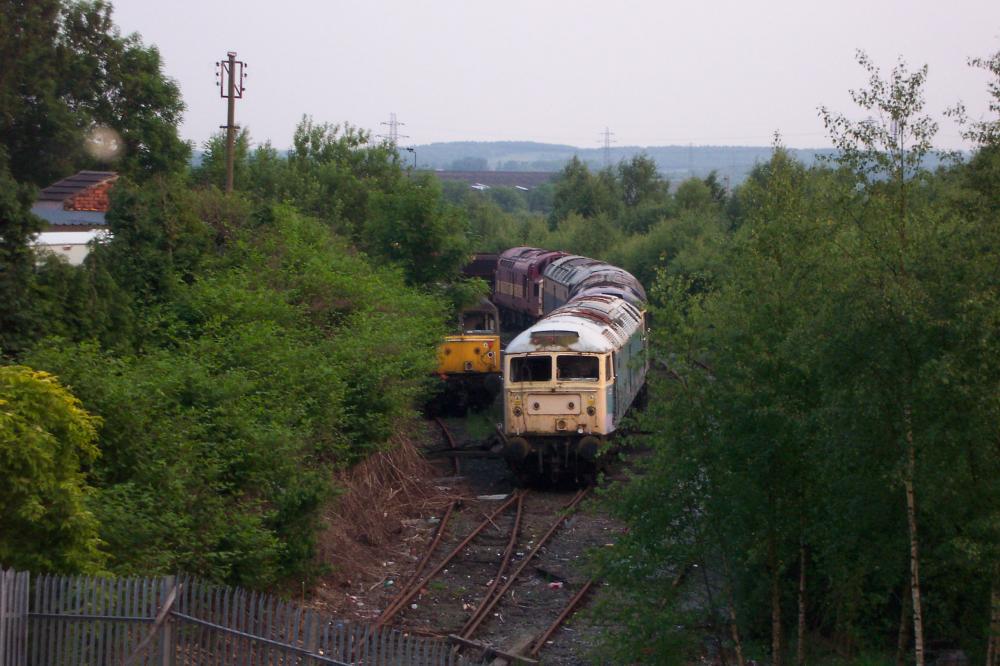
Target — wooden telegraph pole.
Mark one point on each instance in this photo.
(230, 75)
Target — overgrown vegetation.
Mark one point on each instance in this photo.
(235, 351)
(826, 469)
(825, 466)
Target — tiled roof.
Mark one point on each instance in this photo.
(67, 187)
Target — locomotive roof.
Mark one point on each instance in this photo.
(614, 282)
(597, 324)
(482, 305)
(565, 269)
(527, 256)
(628, 293)
(576, 270)
(525, 253)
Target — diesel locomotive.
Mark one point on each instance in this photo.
(573, 374)
(574, 371)
(568, 381)
(469, 361)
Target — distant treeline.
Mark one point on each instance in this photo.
(674, 162)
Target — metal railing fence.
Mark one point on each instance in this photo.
(13, 617)
(92, 621)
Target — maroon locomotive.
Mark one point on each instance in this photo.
(531, 282)
(518, 291)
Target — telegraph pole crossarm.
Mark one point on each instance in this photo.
(231, 75)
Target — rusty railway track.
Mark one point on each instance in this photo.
(501, 582)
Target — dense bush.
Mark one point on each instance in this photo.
(47, 442)
(289, 356)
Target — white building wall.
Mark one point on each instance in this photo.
(72, 245)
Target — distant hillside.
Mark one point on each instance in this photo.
(675, 162)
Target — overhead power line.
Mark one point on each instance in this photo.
(393, 135)
(607, 141)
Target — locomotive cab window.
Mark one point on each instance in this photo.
(575, 368)
(530, 368)
(478, 321)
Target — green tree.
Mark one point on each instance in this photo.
(590, 237)
(490, 228)
(18, 322)
(283, 356)
(67, 71)
(159, 240)
(119, 82)
(887, 156)
(541, 198)
(839, 369)
(734, 428)
(694, 194)
(47, 440)
(267, 174)
(333, 170)
(579, 191)
(692, 245)
(511, 200)
(641, 182)
(970, 370)
(212, 169)
(39, 130)
(414, 228)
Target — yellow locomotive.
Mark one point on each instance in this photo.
(469, 363)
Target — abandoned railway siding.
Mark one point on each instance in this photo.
(502, 567)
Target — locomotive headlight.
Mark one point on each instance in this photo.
(591, 411)
(517, 411)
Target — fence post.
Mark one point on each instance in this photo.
(161, 624)
(167, 648)
(3, 615)
(13, 617)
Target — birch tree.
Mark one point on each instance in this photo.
(886, 152)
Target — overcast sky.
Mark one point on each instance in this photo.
(656, 73)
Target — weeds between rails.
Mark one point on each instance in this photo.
(501, 582)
